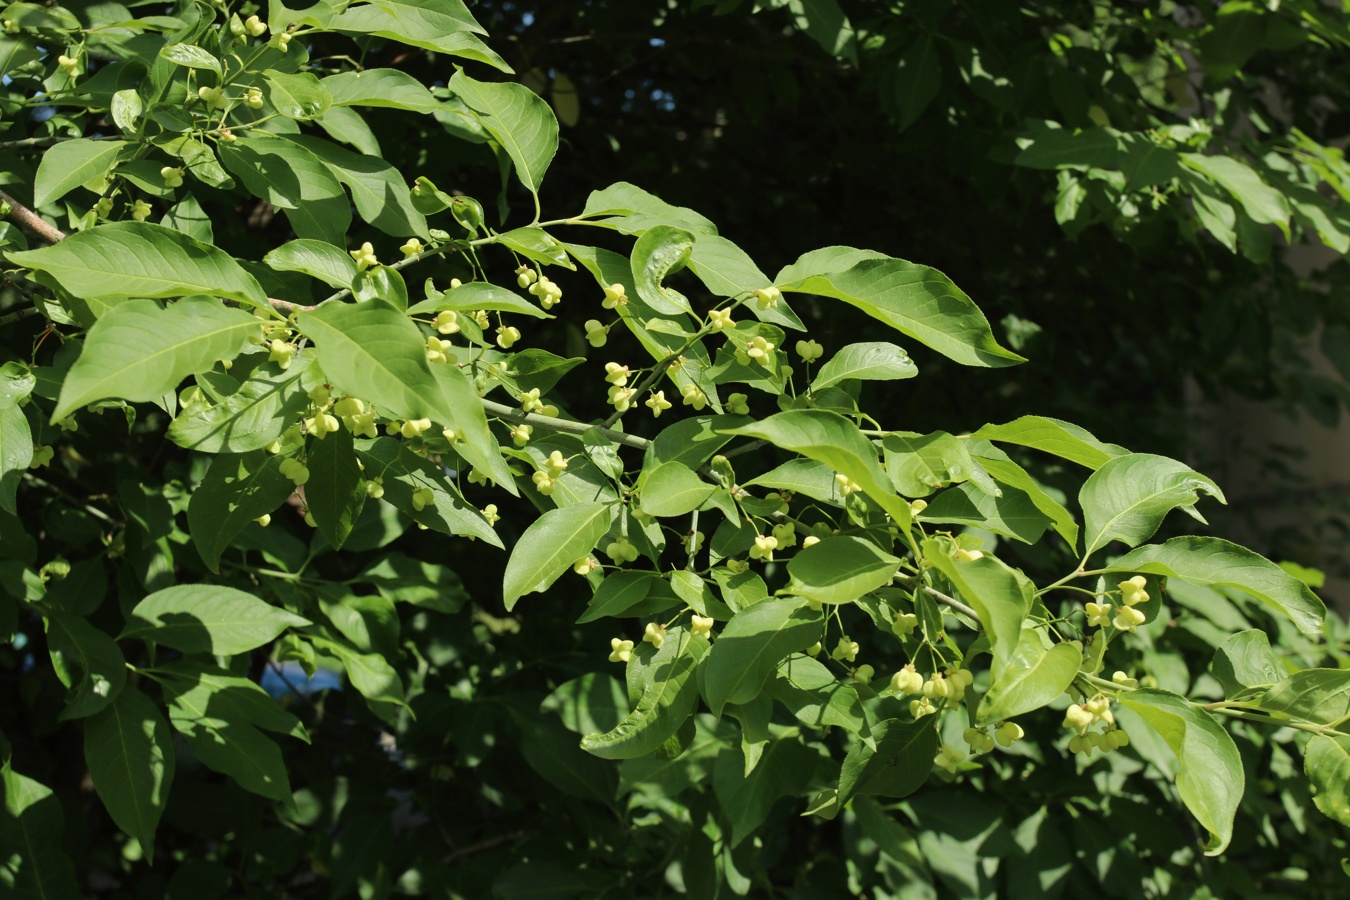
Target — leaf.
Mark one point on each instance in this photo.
(476, 443)
(297, 96)
(591, 703)
(266, 404)
(816, 696)
(629, 594)
(915, 300)
(1209, 776)
(87, 661)
(519, 119)
(478, 295)
(32, 827)
(230, 746)
(190, 56)
(402, 579)
(830, 438)
(1053, 436)
(1012, 515)
(1326, 761)
(204, 618)
(372, 351)
(380, 194)
(371, 674)
(538, 245)
(673, 489)
(1031, 677)
(802, 476)
(444, 26)
(917, 80)
(140, 352)
(1128, 497)
(895, 763)
(1000, 595)
(16, 452)
(69, 164)
(659, 253)
(389, 88)
(1259, 200)
(315, 259)
(1315, 695)
(334, 493)
(1009, 473)
(634, 210)
(1211, 562)
(229, 697)
(131, 762)
(875, 361)
(551, 545)
(920, 463)
(402, 471)
(137, 259)
(747, 799)
(666, 702)
(692, 441)
(727, 270)
(840, 570)
(290, 177)
(750, 647)
(1243, 661)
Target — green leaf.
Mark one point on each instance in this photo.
(830, 438)
(204, 618)
(191, 57)
(131, 761)
(477, 295)
(69, 164)
(634, 210)
(16, 383)
(918, 464)
(750, 647)
(228, 745)
(1031, 677)
(291, 178)
(402, 579)
(1209, 776)
(32, 826)
(1053, 436)
(402, 471)
(1012, 515)
(917, 79)
(816, 696)
(229, 697)
(840, 570)
(444, 26)
(316, 259)
(726, 270)
(1009, 473)
(915, 300)
(551, 545)
(895, 763)
(475, 441)
(693, 441)
(370, 350)
(666, 702)
(1129, 496)
(16, 452)
(875, 361)
(592, 703)
(139, 351)
(538, 245)
(629, 594)
(520, 120)
(266, 404)
(136, 259)
(1000, 595)
(802, 476)
(1315, 695)
(673, 489)
(747, 799)
(389, 88)
(334, 493)
(1326, 761)
(297, 96)
(659, 253)
(380, 194)
(1211, 562)
(1259, 200)
(371, 674)
(87, 661)
(1243, 661)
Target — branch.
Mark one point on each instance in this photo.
(53, 139)
(565, 425)
(30, 221)
(943, 598)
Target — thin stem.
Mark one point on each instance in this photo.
(1080, 572)
(92, 510)
(1310, 727)
(16, 316)
(53, 139)
(693, 540)
(564, 425)
(943, 598)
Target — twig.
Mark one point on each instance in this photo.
(16, 316)
(479, 847)
(693, 540)
(72, 499)
(943, 598)
(564, 425)
(31, 221)
(53, 139)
